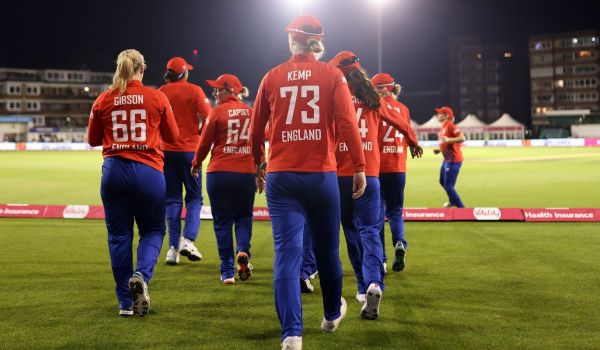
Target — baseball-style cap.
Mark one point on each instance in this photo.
(345, 60)
(178, 65)
(227, 81)
(445, 110)
(305, 27)
(383, 80)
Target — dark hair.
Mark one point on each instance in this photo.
(170, 75)
(363, 88)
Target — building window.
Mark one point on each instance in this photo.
(14, 89)
(540, 72)
(13, 106)
(585, 54)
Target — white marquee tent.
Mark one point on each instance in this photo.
(472, 127)
(506, 128)
(429, 129)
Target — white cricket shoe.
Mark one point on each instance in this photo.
(126, 312)
(189, 250)
(370, 309)
(291, 343)
(361, 297)
(139, 292)
(306, 286)
(449, 205)
(332, 326)
(172, 256)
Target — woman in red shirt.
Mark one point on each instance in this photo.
(128, 121)
(361, 217)
(392, 173)
(303, 100)
(231, 175)
(191, 107)
(450, 138)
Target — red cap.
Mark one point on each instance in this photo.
(178, 65)
(445, 110)
(305, 27)
(383, 80)
(345, 60)
(227, 81)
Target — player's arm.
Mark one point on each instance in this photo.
(260, 117)
(168, 126)
(345, 119)
(95, 127)
(203, 107)
(207, 139)
(402, 124)
(458, 138)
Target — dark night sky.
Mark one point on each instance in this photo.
(245, 37)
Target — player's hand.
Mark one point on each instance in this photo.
(436, 151)
(261, 172)
(195, 171)
(260, 185)
(359, 184)
(445, 139)
(416, 151)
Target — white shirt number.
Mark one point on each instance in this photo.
(122, 130)
(233, 131)
(304, 90)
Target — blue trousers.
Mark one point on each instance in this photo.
(448, 176)
(309, 262)
(132, 191)
(231, 200)
(392, 203)
(293, 199)
(361, 220)
(177, 172)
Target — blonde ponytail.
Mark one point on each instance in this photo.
(129, 62)
(245, 93)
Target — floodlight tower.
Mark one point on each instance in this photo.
(379, 4)
(299, 5)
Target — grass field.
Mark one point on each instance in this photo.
(466, 286)
(501, 177)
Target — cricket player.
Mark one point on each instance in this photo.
(231, 174)
(128, 121)
(450, 138)
(392, 171)
(191, 107)
(361, 217)
(303, 100)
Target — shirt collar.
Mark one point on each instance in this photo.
(229, 98)
(303, 57)
(135, 83)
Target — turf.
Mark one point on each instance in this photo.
(466, 286)
(498, 177)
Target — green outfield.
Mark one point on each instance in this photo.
(499, 177)
(467, 285)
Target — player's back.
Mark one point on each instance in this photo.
(368, 127)
(301, 97)
(392, 143)
(231, 146)
(189, 103)
(132, 122)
